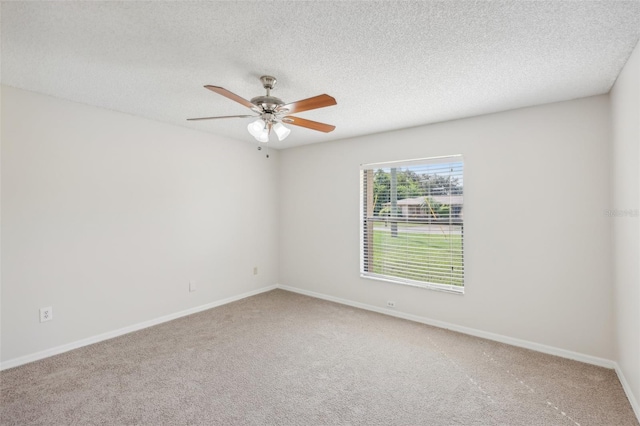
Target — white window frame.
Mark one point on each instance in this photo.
(456, 289)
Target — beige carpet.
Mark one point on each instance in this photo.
(284, 359)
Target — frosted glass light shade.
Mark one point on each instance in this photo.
(281, 131)
(256, 128)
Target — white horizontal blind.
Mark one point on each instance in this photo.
(412, 227)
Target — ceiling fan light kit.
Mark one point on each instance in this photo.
(272, 111)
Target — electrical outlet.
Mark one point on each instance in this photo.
(391, 304)
(46, 314)
(192, 286)
(255, 270)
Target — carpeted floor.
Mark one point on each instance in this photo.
(280, 358)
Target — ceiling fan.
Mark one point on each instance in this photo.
(272, 111)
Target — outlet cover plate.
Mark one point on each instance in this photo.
(46, 314)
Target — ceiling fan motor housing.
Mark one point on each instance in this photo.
(267, 103)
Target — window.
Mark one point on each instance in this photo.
(412, 226)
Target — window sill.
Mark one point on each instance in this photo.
(428, 286)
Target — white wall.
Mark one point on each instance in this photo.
(106, 217)
(537, 242)
(625, 111)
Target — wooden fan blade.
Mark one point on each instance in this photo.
(223, 116)
(313, 125)
(319, 101)
(232, 96)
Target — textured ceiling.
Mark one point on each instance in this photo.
(389, 65)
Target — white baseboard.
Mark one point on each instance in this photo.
(627, 389)
(601, 362)
(125, 330)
